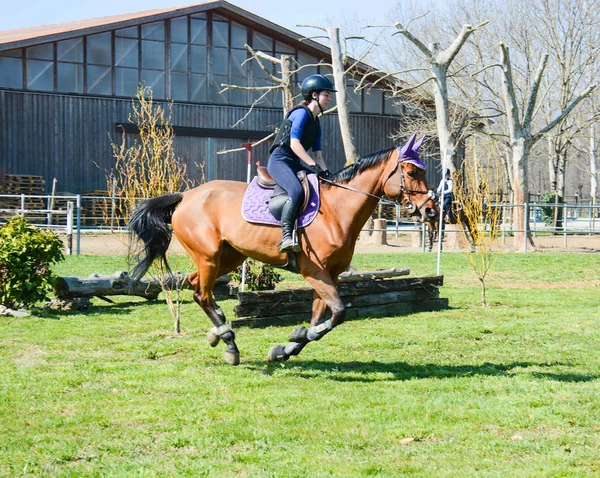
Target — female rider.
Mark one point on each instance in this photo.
(299, 132)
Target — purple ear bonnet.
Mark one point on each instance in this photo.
(410, 152)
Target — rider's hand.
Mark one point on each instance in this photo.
(324, 174)
(315, 168)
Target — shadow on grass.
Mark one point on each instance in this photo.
(116, 308)
(368, 371)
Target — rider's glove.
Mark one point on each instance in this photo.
(324, 174)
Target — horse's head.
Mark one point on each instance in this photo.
(407, 182)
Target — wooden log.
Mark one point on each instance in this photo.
(385, 310)
(370, 287)
(344, 289)
(120, 284)
(362, 276)
(272, 309)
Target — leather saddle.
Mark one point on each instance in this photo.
(279, 196)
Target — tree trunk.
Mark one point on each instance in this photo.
(337, 63)
(287, 91)
(440, 93)
(593, 175)
(520, 153)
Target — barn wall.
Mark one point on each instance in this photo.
(67, 137)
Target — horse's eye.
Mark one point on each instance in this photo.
(412, 174)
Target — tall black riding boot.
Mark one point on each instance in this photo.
(289, 241)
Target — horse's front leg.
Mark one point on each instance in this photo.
(326, 295)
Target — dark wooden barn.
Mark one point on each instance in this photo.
(65, 88)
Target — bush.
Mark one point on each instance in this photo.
(259, 276)
(548, 211)
(26, 253)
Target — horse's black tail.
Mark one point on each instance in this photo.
(151, 223)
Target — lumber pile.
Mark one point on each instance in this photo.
(363, 297)
(17, 184)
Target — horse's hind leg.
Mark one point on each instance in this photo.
(326, 295)
(203, 295)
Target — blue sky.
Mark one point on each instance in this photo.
(30, 13)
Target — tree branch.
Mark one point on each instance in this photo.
(512, 109)
(448, 56)
(262, 66)
(534, 90)
(566, 112)
(415, 41)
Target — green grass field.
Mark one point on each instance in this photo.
(508, 390)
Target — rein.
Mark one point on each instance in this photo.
(396, 201)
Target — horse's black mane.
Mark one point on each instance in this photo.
(366, 162)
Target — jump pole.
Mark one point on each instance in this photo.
(248, 147)
(448, 153)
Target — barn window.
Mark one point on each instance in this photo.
(11, 69)
(126, 52)
(179, 57)
(41, 52)
(99, 49)
(239, 36)
(179, 30)
(179, 86)
(156, 81)
(70, 50)
(198, 59)
(262, 43)
(153, 55)
(373, 99)
(99, 79)
(153, 31)
(198, 88)
(40, 75)
(126, 81)
(353, 98)
(392, 105)
(198, 30)
(69, 77)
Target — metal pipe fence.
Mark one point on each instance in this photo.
(78, 213)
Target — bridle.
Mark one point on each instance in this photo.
(411, 204)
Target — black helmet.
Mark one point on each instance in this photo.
(316, 83)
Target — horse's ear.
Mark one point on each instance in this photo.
(419, 143)
(408, 146)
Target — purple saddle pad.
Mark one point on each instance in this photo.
(255, 207)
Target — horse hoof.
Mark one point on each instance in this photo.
(277, 354)
(232, 358)
(299, 335)
(213, 338)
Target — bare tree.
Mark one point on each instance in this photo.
(341, 68)
(521, 137)
(438, 63)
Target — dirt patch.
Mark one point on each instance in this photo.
(30, 357)
(116, 244)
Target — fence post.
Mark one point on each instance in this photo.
(23, 204)
(503, 221)
(423, 226)
(78, 251)
(113, 205)
(565, 224)
(70, 228)
(525, 223)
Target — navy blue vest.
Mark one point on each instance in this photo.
(310, 133)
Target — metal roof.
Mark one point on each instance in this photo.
(11, 39)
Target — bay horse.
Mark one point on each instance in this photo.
(208, 223)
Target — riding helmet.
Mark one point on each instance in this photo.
(316, 83)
